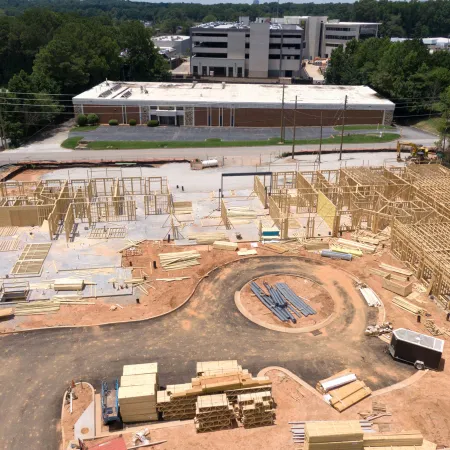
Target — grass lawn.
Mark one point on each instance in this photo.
(213, 142)
(86, 128)
(364, 127)
(431, 124)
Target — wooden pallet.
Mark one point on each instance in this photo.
(10, 245)
(8, 231)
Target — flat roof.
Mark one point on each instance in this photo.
(422, 340)
(221, 26)
(353, 23)
(241, 95)
(174, 37)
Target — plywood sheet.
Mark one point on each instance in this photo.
(138, 380)
(326, 209)
(137, 369)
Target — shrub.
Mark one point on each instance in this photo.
(81, 120)
(113, 122)
(132, 122)
(152, 123)
(92, 119)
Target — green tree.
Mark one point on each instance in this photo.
(141, 59)
(209, 18)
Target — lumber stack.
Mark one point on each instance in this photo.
(351, 251)
(343, 435)
(241, 212)
(405, 272)
(224, 245)
(178, 407)
(207, 238)
(348, 395)
(182, 207)
(389, 440)
(343, 390)
(218, 367)
(314, 244)
(68, 284)
(213, 412)
(256, 409)
(178, 402)
(365, 248)
(247, 252)
(137, 393)
(36, 307)
(398, 287)
(277, 248)
(179, 260)
(407, 306)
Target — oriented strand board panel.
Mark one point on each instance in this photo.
(138, 380)
(138, 369)
(326, 209)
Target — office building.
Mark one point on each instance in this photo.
(233, 105)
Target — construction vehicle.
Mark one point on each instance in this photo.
(418, 154)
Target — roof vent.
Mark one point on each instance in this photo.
(193, 84)
(223, 84)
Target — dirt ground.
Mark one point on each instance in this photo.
(295, 403)
(315, 295)
(84, 394)
(31, 174)
(162, 297)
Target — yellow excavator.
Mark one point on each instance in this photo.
(418, 153)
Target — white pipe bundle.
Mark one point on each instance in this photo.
(338, 382)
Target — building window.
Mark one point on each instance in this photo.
(274, 56)
(338, 29)
(153, 107)
(292, 46)
(220, 121)
(209, 120)
(211, 44)
(275, 36)
(247, 35)
(195, 69)
(247, 45)
(167, 108)
(339, 38)
(247, 56)
(230, 71)
(211, 55)
(239, 72)
(180, 108)
(210, 34)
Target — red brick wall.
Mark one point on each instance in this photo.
(255, 117)
(133, 113)
(105, 113)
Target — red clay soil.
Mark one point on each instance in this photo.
(68, 420)
(162, 298)
(315, 295)
(31, 174)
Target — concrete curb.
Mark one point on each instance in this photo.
(304, 258)
(401, 384)
(63, 436)
(252, 318)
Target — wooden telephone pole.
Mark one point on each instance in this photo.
(293, 134)
(343, 127)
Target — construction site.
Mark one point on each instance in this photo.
(250, 307)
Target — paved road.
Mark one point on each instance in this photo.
(38, 365)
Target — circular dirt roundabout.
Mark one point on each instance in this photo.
(312, 292)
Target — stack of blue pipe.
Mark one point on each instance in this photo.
(283, 303)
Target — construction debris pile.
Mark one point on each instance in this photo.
(377, 330)
(213, 412)
(179, 260)
(282, 301)
(255, 409)
(180, 401)
(343, 390)
(137, 393)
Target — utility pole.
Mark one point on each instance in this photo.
(320, 143)
(343, 126)
(282, 117)
(293, 137)
(3, 139)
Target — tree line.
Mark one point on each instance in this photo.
(46, 58)
(400, 18)
(417, 81)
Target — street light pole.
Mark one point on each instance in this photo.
(282, 117)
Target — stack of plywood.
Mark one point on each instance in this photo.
(365, 248)
(256, 409)
(405, 439)
(345, 435)
(213, 412)
(179, 260)
(398, 287)
(224, 245)
(137, 392)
